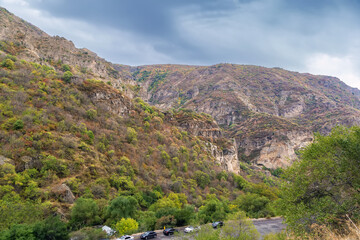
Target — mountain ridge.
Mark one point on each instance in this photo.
(250, 103)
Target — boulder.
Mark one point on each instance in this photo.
(4, 160)
(63, 193)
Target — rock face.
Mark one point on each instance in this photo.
(227, 158)
(275, 151)
(109, 98)
(64, 193)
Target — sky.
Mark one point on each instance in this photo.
(314, 36)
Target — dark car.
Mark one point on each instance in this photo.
(217, 224)
(170, 231)
(148, 235)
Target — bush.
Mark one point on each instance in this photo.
(126, 226)
(18, 125)
(91, 114)
(202, 179)
(8, 63)
(18, 232)
(67, 76)
(254, 205)
(131, 135)
(65, 68)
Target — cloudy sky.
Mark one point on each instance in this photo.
(316, 36)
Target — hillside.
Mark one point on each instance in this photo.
(271, 113)
(268, 114)
(67, 138)
(28, 42)
(178, 143)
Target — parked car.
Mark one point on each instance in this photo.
(148, 235)
(189, 229)
(217, 224)
(126, 237)
(170, 231)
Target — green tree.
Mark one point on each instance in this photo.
(185, 215)
(18, 232)
(51, 228)
(126, 226)
(254, 205)
(213, 210)
(324, 186)
(122, 207)
(147, 221)
(84, 213)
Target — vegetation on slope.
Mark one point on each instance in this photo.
(55, 131)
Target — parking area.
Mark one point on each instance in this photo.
(264, 226)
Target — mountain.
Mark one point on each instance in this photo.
(269, 112)
(266, 113)
(67, 133)
(74, 126)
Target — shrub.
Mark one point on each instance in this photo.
(131, 135)
(202, 179)
(8, 63)
(65, 68)
(254, 205)
(19, 124)
(126, 226)
(91, 114)
(67, 76)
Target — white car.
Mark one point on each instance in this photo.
(191, 229)
(126, 237)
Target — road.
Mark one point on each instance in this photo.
(264, 226)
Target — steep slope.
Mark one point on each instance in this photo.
(60, 141)
(270, 112)
(28, 42)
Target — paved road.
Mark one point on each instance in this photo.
(264, 226)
